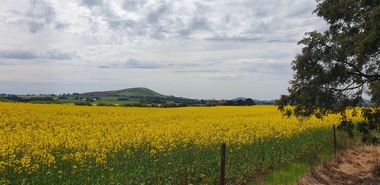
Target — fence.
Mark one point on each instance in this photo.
(191, 164)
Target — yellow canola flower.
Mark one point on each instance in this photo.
(41, 132)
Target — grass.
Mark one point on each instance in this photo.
(290, 173)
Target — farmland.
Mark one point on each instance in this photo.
(67, 144)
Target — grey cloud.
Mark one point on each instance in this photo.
(268, 67)
(154, 16)
(300, 9)
(185, 32)
(23, 55)
(134, 63)
(133, 4)
(91, 3)
(200, 23)
(103, 67)
(250, 69)
(41, 10)
(223, 77)
(198, 71)
(240, 39)
(285, 39)
(27, 55)
(120, 24)
(56, 55)
(41, 13)
(61, 26)
(35, 27)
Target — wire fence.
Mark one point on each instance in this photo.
(223, 163)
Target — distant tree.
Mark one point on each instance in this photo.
(338, 66)
(223, 102)
(230, 102)
(202, 101)
(123, 99)
(240, 102)
(83, 104)
(145, 100)
(249, 102)
(105, 104)
(90, 100)
(212, 102)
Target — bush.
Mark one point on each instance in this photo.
(83, 103)
(105, 104)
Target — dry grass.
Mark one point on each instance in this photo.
(358, 165)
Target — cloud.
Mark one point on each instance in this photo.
(150, 21)
(133, 63)
(28, 55)
(23, 55)
(61, 26)
(158, 42)
(57, 55)
(39, 14)
(130, 5)
(91, 3)
(34, 27)
(222, 77)
(268, 68)
(155, 15)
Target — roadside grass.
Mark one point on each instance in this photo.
(289, 174)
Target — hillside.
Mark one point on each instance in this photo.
(129, 95)
(139, 91)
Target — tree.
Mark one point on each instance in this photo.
(249, 102)
(337, 67)
(240, 102)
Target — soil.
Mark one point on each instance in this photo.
(358, 165)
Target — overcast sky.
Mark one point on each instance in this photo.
(201, 49)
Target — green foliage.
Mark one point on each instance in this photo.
(83, 103)
(105, 104)
(311, 156)
(371, 127)
(347, 126)
(3, 100)
(338, 66)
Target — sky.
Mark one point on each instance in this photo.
(202, 49)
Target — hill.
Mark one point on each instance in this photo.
(261, 102)
(139, 91)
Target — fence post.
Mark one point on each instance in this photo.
(223, 164)
(334, 141)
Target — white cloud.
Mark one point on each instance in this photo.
(171, 46)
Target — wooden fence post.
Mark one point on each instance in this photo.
(223, 164)
(334, 141)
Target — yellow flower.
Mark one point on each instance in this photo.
(35, 136)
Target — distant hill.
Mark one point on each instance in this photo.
(139, 91)
(238, 98)
(255, 100)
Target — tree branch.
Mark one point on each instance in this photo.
(348, 87)
(372, 78)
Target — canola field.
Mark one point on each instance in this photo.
(67, 144)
